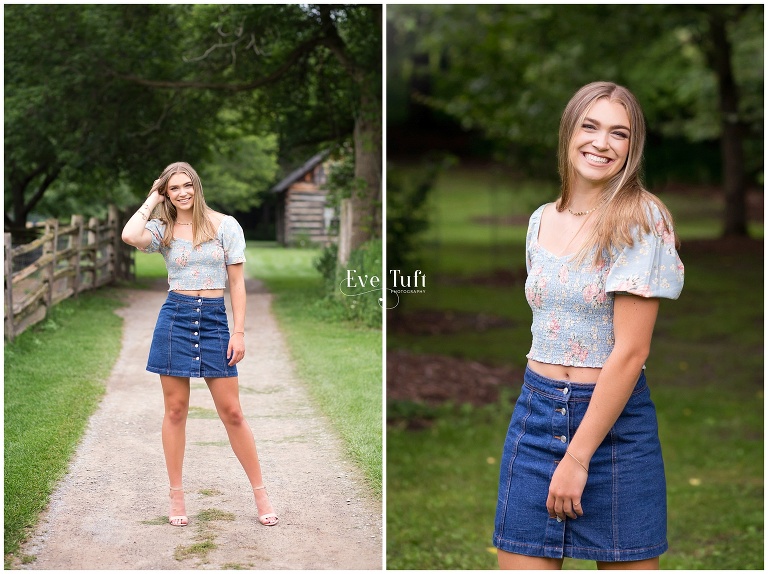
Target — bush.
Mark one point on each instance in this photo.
(360, 304)
(408, 211)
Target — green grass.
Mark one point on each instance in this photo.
(340, 361)
(705, 372)
(55, 375)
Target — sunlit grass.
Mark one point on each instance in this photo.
(55, 375)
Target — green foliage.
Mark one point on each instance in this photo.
(100, 98)
(70, 123)
(341, 179)
(355, 302)
(326, 264)
(48, 402)
(407, 211)
(316, 98)
(242, 167)
(363, 303)
(509, 70)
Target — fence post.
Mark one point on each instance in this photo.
(76, 241)
(93, 244)
(51, 226)
(113, 248)
(129, 252)
(8, 287)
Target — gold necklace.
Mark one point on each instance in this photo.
(587, 212)
(190, 223)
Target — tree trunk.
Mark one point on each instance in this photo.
(733, 131)
(21, 207)
(361, 218)
(361, 214)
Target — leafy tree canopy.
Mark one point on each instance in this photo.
(99, 98)
(508, 70)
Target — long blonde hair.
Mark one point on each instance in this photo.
(202, 226)
(626, 202)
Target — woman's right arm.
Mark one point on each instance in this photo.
(135, 233)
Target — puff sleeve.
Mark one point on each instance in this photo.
(532, 234)
(157, 229)
(232, 241)
(651, 267)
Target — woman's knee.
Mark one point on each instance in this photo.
(232, 415)
(176, 412)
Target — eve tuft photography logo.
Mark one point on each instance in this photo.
(355, 285)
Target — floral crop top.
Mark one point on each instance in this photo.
(204, 266)
(573, 306)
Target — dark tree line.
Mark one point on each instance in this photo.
(508, 70)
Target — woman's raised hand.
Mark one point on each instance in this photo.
(156, 192)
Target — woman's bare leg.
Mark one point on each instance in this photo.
(510, 561)
(176, 399)
(226, 397)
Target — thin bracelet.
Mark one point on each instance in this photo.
(577, 460)
(241, 332)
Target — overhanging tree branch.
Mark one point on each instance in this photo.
(49, 179)
(336, 45)
(298, 52)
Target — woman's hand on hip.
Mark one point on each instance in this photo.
(565, 490)
(236, 349)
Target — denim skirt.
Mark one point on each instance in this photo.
(191, 338)
(625, 498)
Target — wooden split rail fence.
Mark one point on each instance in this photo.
(64, 261)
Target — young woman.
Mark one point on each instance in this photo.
(202, 249)
(582, 474)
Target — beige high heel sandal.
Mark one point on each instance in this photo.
(179, 520)
(269, 514)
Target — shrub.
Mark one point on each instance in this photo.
(358, 304)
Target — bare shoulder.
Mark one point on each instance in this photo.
(549, 212)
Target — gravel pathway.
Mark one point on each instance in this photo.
(108, 512)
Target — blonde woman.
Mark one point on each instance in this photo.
(202, 250)
(582, 474)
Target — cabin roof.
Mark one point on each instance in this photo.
(299, 172)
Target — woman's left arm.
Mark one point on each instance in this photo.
(633, 321)
(236, 349)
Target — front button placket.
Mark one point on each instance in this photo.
(196, 342)
(555, 532)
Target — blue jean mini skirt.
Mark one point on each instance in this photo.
(191, 338)
(625, 498)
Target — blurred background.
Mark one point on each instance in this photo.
(474, 98)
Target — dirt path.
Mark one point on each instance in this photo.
(107, 512)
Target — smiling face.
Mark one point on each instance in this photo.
(599, 147)
(181, 192)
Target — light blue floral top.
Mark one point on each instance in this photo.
(203, 266)
(573, 305)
